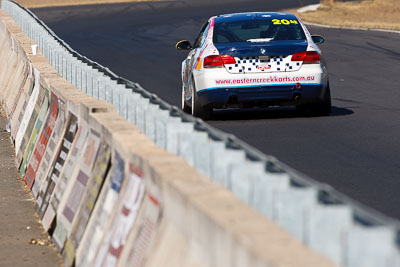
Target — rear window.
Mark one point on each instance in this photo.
(258, 30)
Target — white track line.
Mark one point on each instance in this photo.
(349, 28)
(308, 8)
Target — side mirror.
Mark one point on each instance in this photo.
(318, 39)
(183, 45)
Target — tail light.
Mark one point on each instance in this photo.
(308, 57)
(228, 59)
(217, 61)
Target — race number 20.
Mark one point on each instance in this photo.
(284, 21)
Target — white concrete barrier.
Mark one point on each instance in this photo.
(109, 196)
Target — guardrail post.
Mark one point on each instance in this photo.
(96, 86)
(102, 83)
(326, 229)
(161, 132)
(243, 177)
(125, 103)
(173, 130)
(69, 70)
(371, 246)
(149, 118)
(265, 198)
(140, 109)
(115, 96)
(64, 67)
(84, 73)
(90, 82)
(75, 69)
(133, 99)
(78, 75)
(202, 156)
(222, 161)
(121, 93)
(186, 145)
(293, 206)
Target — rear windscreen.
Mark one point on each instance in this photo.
(258, 30)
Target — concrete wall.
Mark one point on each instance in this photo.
(108, 195)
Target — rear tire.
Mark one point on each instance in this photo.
(184, 106)
(198, 110)
(322, 108)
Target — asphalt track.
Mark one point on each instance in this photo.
(356, 149)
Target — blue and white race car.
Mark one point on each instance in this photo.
(254, 60)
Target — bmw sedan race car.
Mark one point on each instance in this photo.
(254, 60)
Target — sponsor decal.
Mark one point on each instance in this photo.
(198, 64)
(265, 81)
(264, 67)
(198, 61)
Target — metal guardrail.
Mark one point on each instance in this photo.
(324, 219)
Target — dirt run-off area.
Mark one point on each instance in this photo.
(49, 3)
(370, 14)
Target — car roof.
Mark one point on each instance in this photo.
(253, 15)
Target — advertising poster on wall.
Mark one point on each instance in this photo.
(140, 241)
(27, 116)
(34, 127)
(102, 213)
(17, 116)
(16, 113)
(92, 192)
(76, 189)
(57, 168)
(48, 204)
(50, 154)
(128, 208)
(41, 144)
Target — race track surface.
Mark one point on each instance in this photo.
(355, 149)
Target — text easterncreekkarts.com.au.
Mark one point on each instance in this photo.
(266, 80)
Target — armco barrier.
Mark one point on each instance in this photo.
(322, 218)
(108, 195)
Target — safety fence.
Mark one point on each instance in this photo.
(320, 217)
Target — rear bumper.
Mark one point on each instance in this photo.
(261, 96)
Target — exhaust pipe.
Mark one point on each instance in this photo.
(296, 97)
